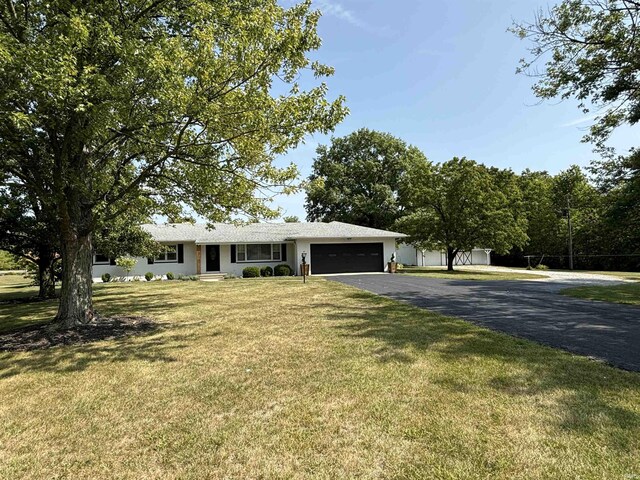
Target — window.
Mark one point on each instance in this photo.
(100, 259)
(258, 252)
(169, 254)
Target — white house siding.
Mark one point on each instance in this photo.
(157, 268)
(304, 245)
(226, 266)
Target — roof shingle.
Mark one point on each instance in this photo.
(261, 232)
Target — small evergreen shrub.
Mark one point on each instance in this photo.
(170, 276)
(106, 277)
(188, 278)
(148, 276)
(250, 272)
(266, 271)
(282, 270)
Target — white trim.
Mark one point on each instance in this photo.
(166, 252)
(95, 262)
(246, 251)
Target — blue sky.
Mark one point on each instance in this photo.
(441, 76)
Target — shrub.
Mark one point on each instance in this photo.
(282, 270)
(170, 276)
(188, 278)
(106, 277)
(266, 271)
(250, 272)
(541, 266)
(126, 263)
(148, 276)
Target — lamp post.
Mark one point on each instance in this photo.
(304, 267)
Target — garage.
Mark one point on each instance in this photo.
(346, 257)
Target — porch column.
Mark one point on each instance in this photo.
(198, 259)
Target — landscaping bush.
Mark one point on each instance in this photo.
(188, 278)
(266, 271)
(541, 266)
(148, 276)
(170, 276)
(282, 270)
(106, 277)
(250, 272)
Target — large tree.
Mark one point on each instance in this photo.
(588, 50)
(27, 233)
(458, 206)
(112, 108)
(357, 179)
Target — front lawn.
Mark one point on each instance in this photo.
(440, 272)
(628, 293)
(271, 378)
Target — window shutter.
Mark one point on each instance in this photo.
(150, 260)
(112, 261)
(283, 252)
(181, 253)
(233, 254)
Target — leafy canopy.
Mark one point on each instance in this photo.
(153, 106)
(457, 206)
(357, 179)
(588, 49)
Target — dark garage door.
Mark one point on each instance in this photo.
(346, 257)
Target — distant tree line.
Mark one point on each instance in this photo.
(376, 180)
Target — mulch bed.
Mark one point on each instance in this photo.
(40, 337)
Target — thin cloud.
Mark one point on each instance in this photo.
(337, 10)
(579, 121)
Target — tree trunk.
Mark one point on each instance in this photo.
(76, 306)
(451, 258)
(46, 278)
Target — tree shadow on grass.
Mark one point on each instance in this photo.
(586, 393)
(157, 345)
(154, 345)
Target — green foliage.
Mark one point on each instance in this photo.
(8, 261)
(282, 270)
(541, 266)
(459, 205)
(266, 271)
(106, 277)
(126, 263)
(170, 276)
(590, 54)
(545, 228)
(148, 276)
(357, 179)
(116, 111)
(291, 219)
(250, 272)
(188, 278)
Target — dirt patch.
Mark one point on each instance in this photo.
(39, 337)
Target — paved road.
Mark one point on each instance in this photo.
(528, 309)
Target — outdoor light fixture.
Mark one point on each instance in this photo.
(304, 267)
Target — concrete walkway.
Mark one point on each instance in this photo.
(529, 309)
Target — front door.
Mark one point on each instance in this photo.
(213, 258)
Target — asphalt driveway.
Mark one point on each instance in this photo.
(529, 309)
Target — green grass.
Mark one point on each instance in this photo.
(276, 379)
(634, 276)
(439, 272)
(12, 316)
(13, 287)
(628, 293)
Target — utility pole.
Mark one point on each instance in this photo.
(570, 232)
